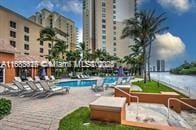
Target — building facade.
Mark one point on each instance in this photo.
(21, 33)
(65, 28)
(103, 25)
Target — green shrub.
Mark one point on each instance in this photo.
(5, 107)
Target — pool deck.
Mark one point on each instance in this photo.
(44, 114)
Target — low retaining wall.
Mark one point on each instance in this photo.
(159, 99)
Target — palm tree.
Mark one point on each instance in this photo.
(84, 51)
(143, 29)
(61, 46)
(48, 34)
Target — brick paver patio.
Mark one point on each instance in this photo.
(44, 114)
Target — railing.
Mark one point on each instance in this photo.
(137, 98)
(175, 99)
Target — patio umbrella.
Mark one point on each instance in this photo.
(43, 73)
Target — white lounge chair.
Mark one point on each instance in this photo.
(17, 79)
(46, 78)
(52, 77)
(99, 86)
(37, 78)
(51, 90)
(30, 79)
(127, 81)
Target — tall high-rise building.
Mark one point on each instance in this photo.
(160, 65)
(65, 28)
(103, 25)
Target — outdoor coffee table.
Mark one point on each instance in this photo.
(110, 109)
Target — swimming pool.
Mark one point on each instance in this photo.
(85, 83)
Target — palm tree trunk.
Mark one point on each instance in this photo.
(149, 56)
(144, 64)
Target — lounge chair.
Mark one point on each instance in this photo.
(35, 90)
(17, 79)
(52, 90)
(99, 86)
(37, 78)
(127, 81)
(21, 89)
(30, 79)
(52, 77)
(46, 78)
(7, 89)
(78, 76)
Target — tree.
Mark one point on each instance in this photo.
(48, 34)
(143, 29)
(61, 47)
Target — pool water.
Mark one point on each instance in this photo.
(85, 83)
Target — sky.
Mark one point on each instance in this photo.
(175, 45)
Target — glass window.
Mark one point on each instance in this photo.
(13, 43)
(103, 26)
(103, 37)
(26, 46)
(26, 29)
(13, 24)
(26, 38)
(13, 34)
(103, 4)
(41, 50)
(41, 43)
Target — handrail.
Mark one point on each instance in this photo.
(176, 99)
(129, 97)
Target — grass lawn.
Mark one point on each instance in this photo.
(152, 87)
(76, 120)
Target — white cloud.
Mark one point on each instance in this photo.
(140, 2)
(45, 4)
(74, 6)
(180, 6)
(80, 35)
(167, 46)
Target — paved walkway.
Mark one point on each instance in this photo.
(44, 114)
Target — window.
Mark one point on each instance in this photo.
(41, 50)
(103, 37)
(103, 26)
(114, 6)
(114, 43)
(103, 10)
(103, 21)
(41, 43)
(26, 29)
(103, 4)
(114, 12)
(13, 24)
(114, 49)
(49, 45)
(114, 22)
(26, 53)
(114, 54)
(26, 46)
(103, 15)
(13, 43)
(114, 27)
(13, 34)
(114, 1)
(114, 38)
(26, 38)
(103, 31)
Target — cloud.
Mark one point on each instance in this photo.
(45, 4)
(167, 46)
(74, 6)
(141, 2)
(180, 6)
(80, 35)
